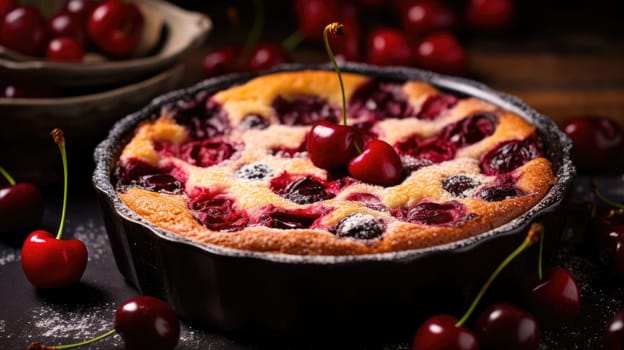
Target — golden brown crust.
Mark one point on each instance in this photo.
(170, 212)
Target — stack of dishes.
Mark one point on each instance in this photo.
(91, 95)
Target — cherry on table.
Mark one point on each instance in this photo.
(331, 146)
(439, 332)
(65, 49)
(24, 30)
(608, 236)
(555, 299)
(489, 14)
(442, 53)
(388, 47)
(420, 17)
(613, 337)
(505, 326)
(116, 27)
(48, 261)
(21, 205)
(221, 60)
(598, 142)
(378, 164)
(266, 55)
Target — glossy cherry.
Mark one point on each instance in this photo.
(440, 332)
(489, 14)
(66, 24)
(143, 322)
(598, 142)
(266, 55)
(146, 322)
(420, 17)
(24, 30)
(48, 261)
(388, 47)
(21, 205)
(331, 146)
(378, 164)
(555, 298)
(221, 60)
(442, 53)
(613, 337)
(607, 230)
(505, 326)
(446, 332)
(64, 49)
(116, 27)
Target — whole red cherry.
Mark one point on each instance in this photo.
(613, 338)
(266, 55)
(598, 142)
(388, 47)
(331, 146)
(505, 326)
(221, 60)
(21, 205)
(146, 322)
(608, 236)
(420, 17)
(116, 27)
(66, 24)
(440, 333)
(48, 261)
(442, 53)
(555, 299)
(489, 14)
(64, 49)
(24, 30)
(378, 164)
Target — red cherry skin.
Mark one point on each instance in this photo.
(64, 49)
(331, 146)
(146, 322)
(5, 7)
(347, 47)
(116, 27)
(24, 30)
(266, 55)
(613, 338)
(439, 333)
(608, 236)
(221, 60)
(489, 14)
(598, 142)
(53, 263)
(314, 15)
(66, 24)
(556, 299)
(21, 207)
(505, 326)
(420, 17)
(388, 47)
(378, 164)
(442, 53)
(82, 8)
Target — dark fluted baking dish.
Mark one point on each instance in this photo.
(368, 296)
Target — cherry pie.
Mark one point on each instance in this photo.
(231, 168)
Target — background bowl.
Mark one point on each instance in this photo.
(353, 297)
(28, 151)
(182, 31)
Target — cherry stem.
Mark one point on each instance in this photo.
(39, 346)
(292, 41)
(59, 138)
(540, 269)
(607, 201)
(256, 30)
(535, 232)
(336, 28)
(7, 176)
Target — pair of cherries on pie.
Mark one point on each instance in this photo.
(337, 147)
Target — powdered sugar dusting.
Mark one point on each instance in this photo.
(94, 237)
(79, 324)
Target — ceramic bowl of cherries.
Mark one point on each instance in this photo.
(94, 42)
